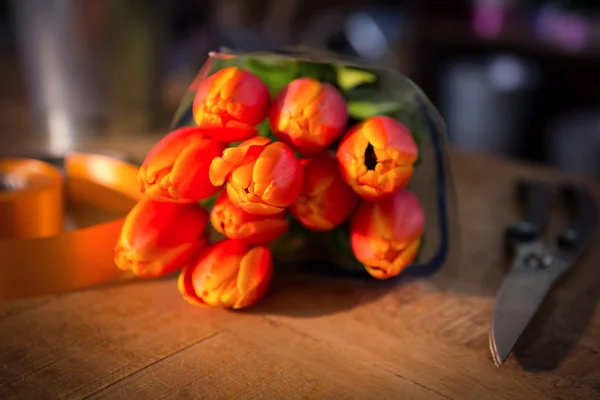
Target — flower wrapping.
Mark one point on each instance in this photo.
(286, 157)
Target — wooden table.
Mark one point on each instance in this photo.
(319, 338)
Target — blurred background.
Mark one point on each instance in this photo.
(517, 78)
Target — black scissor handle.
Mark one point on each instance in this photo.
(535, 198)
(584, 218)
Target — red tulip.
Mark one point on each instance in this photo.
(235, 223)
(308, 115)
(376, 157)
(230, 103)
(263, 177)
(386, 236)
(229, 274)
(176, 169)
(158, 238)
(326, 201)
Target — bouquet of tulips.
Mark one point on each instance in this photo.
(276, 162)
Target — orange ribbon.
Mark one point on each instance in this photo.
(39, 255)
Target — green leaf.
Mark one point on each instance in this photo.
(363, 109)
(214, 235)
(275, 73)
(320, 71)
(264, 130)
(417, 259)
(418, 137)
(348, 77)
(343, 241)
(209, 202)
(369, 100)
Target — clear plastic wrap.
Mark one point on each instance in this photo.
(368, 91)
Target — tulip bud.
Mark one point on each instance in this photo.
(263, 177)
(158, 238)
(229, 274)
(235, 223)
(176, 169)
(326, 201)
(229, 104)
(376, 157)
(386, 236)
(308, 115)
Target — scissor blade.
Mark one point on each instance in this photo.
(520, 295)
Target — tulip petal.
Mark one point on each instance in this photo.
(308, 115)
(263, 177)
(280, 175)
(158, 237)
(325, 201)
(186, 287)
(233, 131)
(247, 152)
(254, 275)
(392, 266)
(229, 296)
(191, 168)
(228, 274)
(242, 176)
(263, 232)
(158, 262)
(256, 207)
(234, 99)
(376, 157)
(235, 223)
(221, 167)
(162, 158)
(386, 236)
(176, 170)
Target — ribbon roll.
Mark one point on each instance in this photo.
(31, 199)
(39, 253)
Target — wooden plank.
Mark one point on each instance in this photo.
(81, 342)
(251, 367)
(318, 336)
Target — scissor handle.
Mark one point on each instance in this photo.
(584, 218)
(535, 198)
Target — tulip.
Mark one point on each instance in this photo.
(229, 274)
(386, 236)
(235, 223)
(376, 157)
(308, 115)
(176, 169)
(158, 238)
(230, 103)
(263, 177)
(326, 201)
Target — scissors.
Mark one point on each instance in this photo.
(538, 264)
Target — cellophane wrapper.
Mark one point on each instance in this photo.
(369, 91)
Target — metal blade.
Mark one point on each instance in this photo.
(521, 294)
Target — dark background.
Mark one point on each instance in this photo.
(528, 88)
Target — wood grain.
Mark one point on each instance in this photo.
(319, 336)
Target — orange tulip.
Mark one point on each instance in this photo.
(308, 115)
(376, 157)
(176, 169)
(158, 238)
(326, 201)
(233, 99)
(229, 274)
(386, 236)
(263, 177)
(235, 223)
